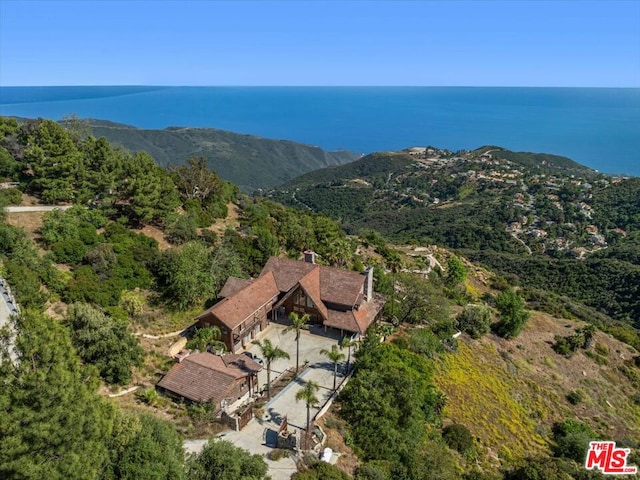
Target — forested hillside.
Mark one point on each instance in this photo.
(248, 161)
(143, 249)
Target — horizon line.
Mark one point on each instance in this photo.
(318, 86)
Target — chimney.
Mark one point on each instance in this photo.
(309, 256)
(368, 284)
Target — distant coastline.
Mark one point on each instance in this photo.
(598, 127)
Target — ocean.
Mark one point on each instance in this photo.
(598, 127)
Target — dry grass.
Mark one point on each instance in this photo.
(509, 393)
(29, 221)
(334, 427)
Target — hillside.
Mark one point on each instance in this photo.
(543, 221)
(510, 393)
(248, 161)
(113, 282)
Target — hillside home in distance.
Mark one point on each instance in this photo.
(333, 298)
(223, 381)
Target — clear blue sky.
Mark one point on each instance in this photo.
(430, 43)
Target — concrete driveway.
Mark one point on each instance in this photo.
(319, 369)
(258, 436)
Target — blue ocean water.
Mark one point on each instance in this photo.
(597, 127)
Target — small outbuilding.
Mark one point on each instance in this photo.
(224, 381)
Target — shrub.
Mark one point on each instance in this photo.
(321, 471)
(602, 349)
(149, 396)
(474, 320)
(424, 342)
(574, 397)
(10, 196)
(132, 303)
(572, 439)
(458, 437)
(183, 230)
(277, 454)
(539, 469)
(104, 342)
(513, 315)
(70, 251)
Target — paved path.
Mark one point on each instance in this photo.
(37, 208)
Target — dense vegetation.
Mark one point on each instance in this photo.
(541, 221)
(248, 161)
(393, 412)
(101, 279)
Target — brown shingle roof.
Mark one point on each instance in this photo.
(233, 285)
(337, 286)
(287, 272)
(340, 286)
(311, 285)
(356, 321)
(204, 377)
(232, 311)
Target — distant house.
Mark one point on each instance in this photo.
(333, 298)
(224, 381)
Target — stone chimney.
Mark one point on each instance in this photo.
(309, 256)
(368, 284)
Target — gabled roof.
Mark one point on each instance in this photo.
(204, 377)
(337, 286)
(233, 285)
(232, 311)
(357, 320)
(310, 283)
(287, 272)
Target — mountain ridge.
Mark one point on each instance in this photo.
(250, 161)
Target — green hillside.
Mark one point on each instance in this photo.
(107, 286)
(248, 161)
(541, 220)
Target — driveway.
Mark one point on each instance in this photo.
(259, 435)
(318, 369)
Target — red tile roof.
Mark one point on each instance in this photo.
(339, 286)
(204, 377)
(336, 293)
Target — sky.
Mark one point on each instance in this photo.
(320, 43)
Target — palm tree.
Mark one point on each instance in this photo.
(204, 337)
(335, 356)
(270, 353)
(347, 342)
(308, 394)
(297, 322)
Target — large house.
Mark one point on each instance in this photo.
(333, 298)
(223, 381)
